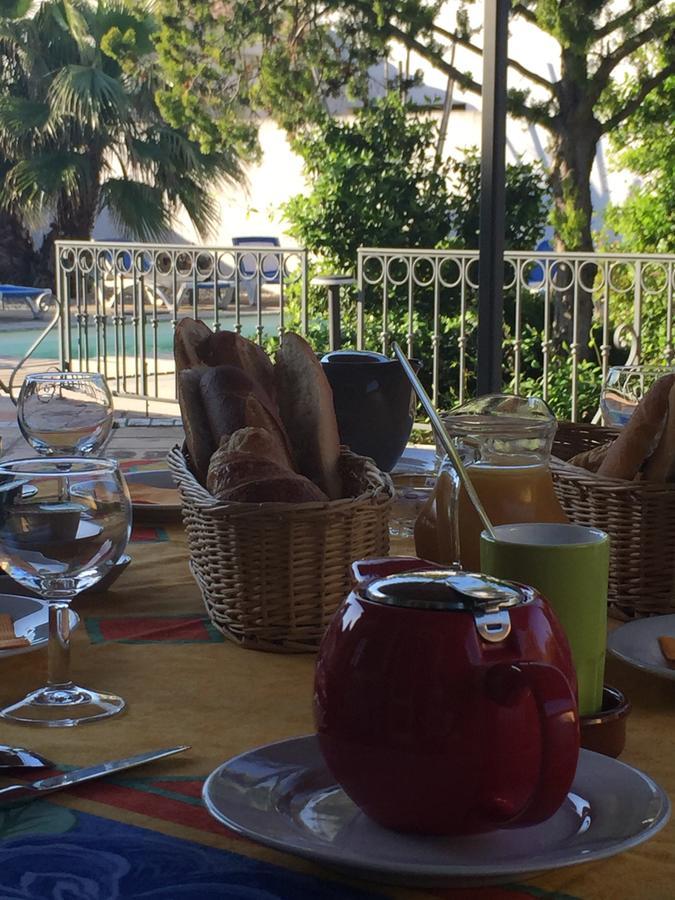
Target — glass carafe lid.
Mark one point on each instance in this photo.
(502, 429)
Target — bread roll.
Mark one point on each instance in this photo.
(231, 349)
(259, 441)
(661, 464)
(228, 470)
(188, 336)
(308, 413)
(281, 489)
(627, 453)
(198, 437)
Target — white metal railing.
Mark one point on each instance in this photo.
(628, 298)
(119, 303)
(122, 300)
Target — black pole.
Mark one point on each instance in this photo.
(492, 207)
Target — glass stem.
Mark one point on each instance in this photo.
(58, 651)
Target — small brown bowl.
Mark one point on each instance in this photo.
(605, 732)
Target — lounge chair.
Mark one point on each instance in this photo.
(37, 299)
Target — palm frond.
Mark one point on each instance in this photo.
(21, 121)
(88, 95)
(34, 185)
(14, 9)
(200, 205)
(139, 209)
(78, 28)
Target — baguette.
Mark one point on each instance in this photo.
(627, 453)
(661, 464)
(198, 438)
(231, 349)
(233, 401)
(308, 413)
(189, 335)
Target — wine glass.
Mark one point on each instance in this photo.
(623, 389)
(65, 413)
(64, 523)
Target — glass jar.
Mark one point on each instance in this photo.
(505, 443)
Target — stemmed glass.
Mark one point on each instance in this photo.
(65, 413)
(64, 523)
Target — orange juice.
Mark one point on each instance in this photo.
(509, 494)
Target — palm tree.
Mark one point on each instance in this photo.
(80, 129)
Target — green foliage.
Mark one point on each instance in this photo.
(373, 182)
(80, 127)
(527, 202)
(645, 143)
(291, 60)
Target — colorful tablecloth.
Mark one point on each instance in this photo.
(146, 834)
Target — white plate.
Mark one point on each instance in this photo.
(637, 643)
(154, 512)
(31, 620)
(283, 796)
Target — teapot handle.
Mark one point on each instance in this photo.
(559, 720)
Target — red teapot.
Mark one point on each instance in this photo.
(445, 702)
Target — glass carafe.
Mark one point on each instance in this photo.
(505, 442)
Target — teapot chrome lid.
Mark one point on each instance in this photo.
(446, 589)
(487, 599)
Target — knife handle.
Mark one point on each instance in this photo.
(14, 794)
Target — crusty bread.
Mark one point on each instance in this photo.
(281, 489)
(259, 441)
(590, 459)
(661, 464)
(231, 349)
(198, 437)
(230, 469)
(308, 413)
(188, 336)
(627, 453)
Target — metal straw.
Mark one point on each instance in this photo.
(445, 441)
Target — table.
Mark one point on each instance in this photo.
(145, 833)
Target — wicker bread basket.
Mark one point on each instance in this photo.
(272, 574)
(638, 516)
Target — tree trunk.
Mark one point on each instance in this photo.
(573, 153)
(17, 254)
(75, 216)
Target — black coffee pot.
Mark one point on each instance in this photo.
(374, 403)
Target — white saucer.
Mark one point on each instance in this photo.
(282, 795)
(416, 461)
(637, 643)
(31, 620)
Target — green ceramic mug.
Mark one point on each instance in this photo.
(569, 565)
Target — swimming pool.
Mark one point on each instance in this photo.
(118, 341)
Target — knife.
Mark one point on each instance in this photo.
(22, 793)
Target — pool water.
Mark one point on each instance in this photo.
(14, 344)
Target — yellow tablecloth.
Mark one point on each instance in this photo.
(147, 640)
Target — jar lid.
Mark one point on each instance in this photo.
(447, 589)
(504, 414)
